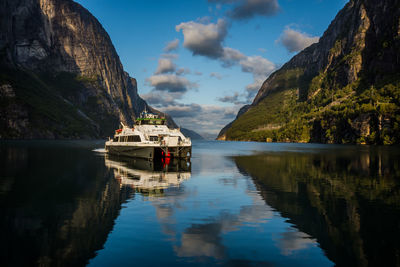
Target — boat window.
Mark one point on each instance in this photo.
(150, 122)
(153, 138)
(134, 138)
(115, 139)
(123, 139)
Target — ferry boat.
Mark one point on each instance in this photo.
(150, 138)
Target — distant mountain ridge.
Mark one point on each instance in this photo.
(192, 134)
(61, 76)
(343, 89)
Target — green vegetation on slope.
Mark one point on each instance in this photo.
(353, 114)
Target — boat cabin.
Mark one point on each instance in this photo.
(150, 119)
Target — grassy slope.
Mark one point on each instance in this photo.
(333, 112)
(274, 112)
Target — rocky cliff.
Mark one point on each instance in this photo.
(343, 89)
(60, 74)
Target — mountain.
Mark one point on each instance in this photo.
(192, 134)
(60, 75)
(343, 89)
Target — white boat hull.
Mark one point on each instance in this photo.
(131, 151)
(149, 152)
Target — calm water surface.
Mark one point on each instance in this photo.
(235, 204)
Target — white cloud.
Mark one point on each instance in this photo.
(255, 86)
(295, 41)
(246, 9)
(204, 39)
(257, 65)
(161, 99)
(165, 65)
(182, 71)
(231, 57)
(216, 75)
(172, 46)
(170, 56)
(207, 40)
(182, 110)
(261, 68)
(236, 99)
(252, 89)
(170, 83)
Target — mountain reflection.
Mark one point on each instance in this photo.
(348, 200)
(148, 177)
(58, 205)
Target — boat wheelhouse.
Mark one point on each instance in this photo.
(149, 138)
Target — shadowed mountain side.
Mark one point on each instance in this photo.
(50, 217)
(343, 89)
(191, 134)
(60, 74)
(333, 198)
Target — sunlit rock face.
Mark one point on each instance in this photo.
(360, 49)
(59, 43)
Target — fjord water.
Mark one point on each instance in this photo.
(235, 204)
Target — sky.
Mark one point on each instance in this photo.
(201, 60)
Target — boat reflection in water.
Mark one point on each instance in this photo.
(149, 177)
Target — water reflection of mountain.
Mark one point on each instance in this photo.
(148, 177)
(57, 204)
(349, 201)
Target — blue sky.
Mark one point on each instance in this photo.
(224, 49)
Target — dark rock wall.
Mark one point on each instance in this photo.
(49, 38)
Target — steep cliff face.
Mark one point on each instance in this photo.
(345, 88)
(60, 74)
